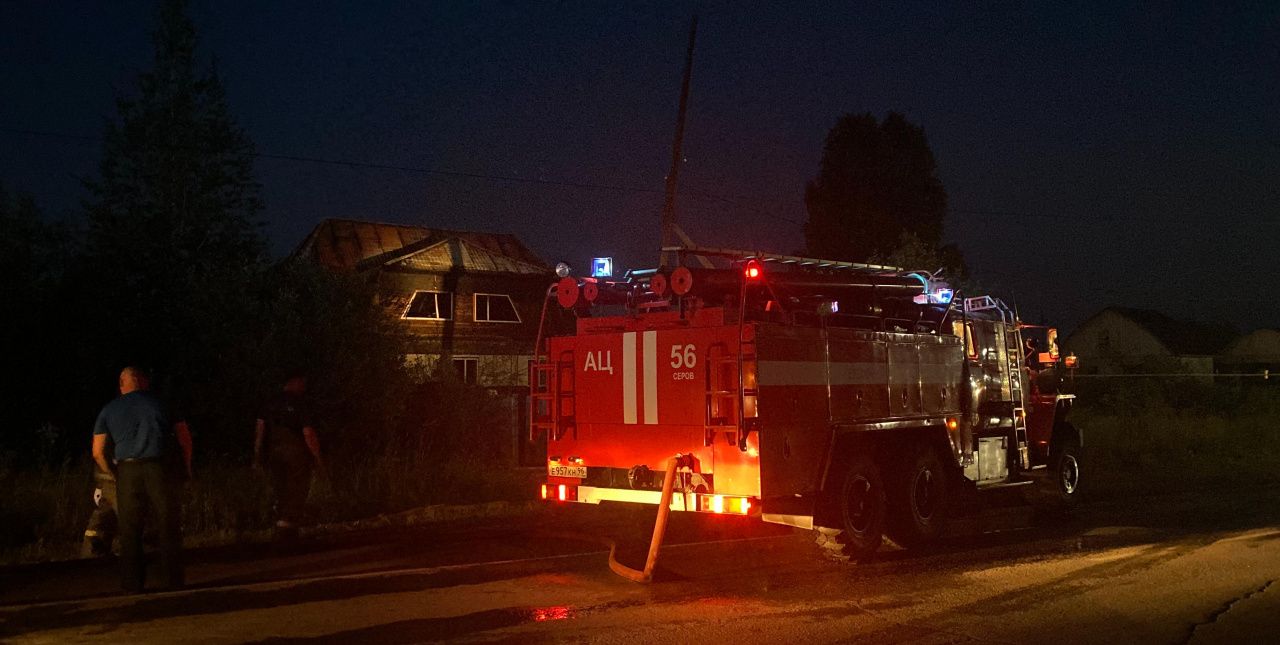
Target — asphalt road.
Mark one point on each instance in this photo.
(1195, 567)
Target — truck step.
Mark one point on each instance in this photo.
(999, 484)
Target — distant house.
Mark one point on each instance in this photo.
(1122, 339)
(1253, 352)
(471, 300)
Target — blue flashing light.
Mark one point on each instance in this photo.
(602, 267)
(943, 296)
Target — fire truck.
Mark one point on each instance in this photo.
(856, 401)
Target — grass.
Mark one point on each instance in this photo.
(1220, 441)
(46, 509)
(1136, 442)
(458, 452)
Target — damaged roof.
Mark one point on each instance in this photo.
(356, 245)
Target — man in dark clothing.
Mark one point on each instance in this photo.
(146, 473)
(286, 428)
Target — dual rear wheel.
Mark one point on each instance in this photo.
(909, 505)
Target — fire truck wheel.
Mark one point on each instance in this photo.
(918, 499)
(1064, 463)
(860, 513)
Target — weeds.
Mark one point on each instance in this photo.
(1137, 441)
(460, 451)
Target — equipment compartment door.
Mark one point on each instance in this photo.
(904, 379)
(795, 429)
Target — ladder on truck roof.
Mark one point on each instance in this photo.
(795, 260)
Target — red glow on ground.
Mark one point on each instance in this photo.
(561, 612)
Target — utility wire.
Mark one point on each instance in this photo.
(743, 202)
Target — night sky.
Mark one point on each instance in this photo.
(1093, 155)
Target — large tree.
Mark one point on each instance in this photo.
(33, 257)
(173, 251)
(877, 190)
(173, 234)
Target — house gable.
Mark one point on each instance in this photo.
(456, 254)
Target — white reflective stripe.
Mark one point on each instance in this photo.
(651, 377)
(629, 377)
(594, 495)
(854, 373)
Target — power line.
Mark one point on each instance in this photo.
(743, 202)
(380, 166)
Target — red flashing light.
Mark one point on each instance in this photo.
(752, 272)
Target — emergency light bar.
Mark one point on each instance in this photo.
(602, 267)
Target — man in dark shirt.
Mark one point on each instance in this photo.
(286, 428)
(100, 533)
(145, 472)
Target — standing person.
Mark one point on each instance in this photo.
(146, 476)
(100, 533)
(286, 428)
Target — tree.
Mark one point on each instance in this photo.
(33, 258)
(173, 248)
(914, 253)
(877, 188)
(172, 220)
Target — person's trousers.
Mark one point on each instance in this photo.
(147, 492)
(101, 530)
(291, 480)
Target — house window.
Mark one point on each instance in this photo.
(495, 307)
(430, 305)
(466, 366)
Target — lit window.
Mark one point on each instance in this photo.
(466, 366)
(430, 305)
(495, 307)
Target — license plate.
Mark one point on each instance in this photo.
(567, 471)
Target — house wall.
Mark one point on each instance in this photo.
(502, 349)
(1110, 342)
(493, 370)
(1255, 351)
(463, 334)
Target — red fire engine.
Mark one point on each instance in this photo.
(853, 400)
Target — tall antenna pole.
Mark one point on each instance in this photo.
(669, 237)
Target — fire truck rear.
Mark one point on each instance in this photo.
(856, 401)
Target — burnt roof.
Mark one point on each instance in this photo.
(1181, 337)
(348, 244)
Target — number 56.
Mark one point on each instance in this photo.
(683, 357)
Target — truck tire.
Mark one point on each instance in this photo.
(1064, 465)
(919, 498)
(1059, 490)
(859, 512)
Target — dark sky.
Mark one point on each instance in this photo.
(1094, 154)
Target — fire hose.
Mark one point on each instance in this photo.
(659, 530)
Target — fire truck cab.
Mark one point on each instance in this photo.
(856, 401)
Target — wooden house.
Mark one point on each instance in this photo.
(470, 300)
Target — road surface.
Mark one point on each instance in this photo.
(1188, 568)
